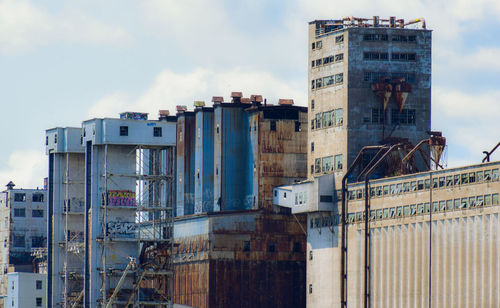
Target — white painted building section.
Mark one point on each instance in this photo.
(26, 290)
(65, 240)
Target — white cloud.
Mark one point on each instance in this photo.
(468, 121)
(24, 26)
(171, 89)
(26, 168)
(484, 59)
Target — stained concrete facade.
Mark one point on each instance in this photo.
(453, 265)
(345, 114)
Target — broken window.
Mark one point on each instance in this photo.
(313, 46)
(456, 203)
(427, 183)
(327, 118)
(297, 247)
(420, 185)
(479, 201)
(338, 162)
(377, 116)
(339, 117)
(339, 38)
(312, 63)
(494, 199)
(339, 78)
(406, 187)
(318, 62)
(318, 83)
(37, 198)
(487, 175)
(246, 246)
(312, 146)
(456, 179)
(494, 174)
(441, 182)
(465, 178)
(19, 197)
(328, 81)
(312, 104)
(413, 186)
(378, 190)
(319, 44)
(317, 165)
(327, 164)
(271, 247)
(312, 84)
(339, 57)
(449, 181)
(487, 199)
(312, 124)
(479, 176)
(318, 120)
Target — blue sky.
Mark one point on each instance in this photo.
(64, 61)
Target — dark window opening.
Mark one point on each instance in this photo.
(312, 146)
(39, 302)
(297, 126)
(38, 284)
(37, 213)
(47, 140)
(123, 130)
(20, 197)
(157, 132)
(271, 247)
(37, 197)
(246, 246)
(297, 247)
(273, 125)
(19, 212)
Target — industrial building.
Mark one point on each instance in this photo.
(26, 290)
(23, 215)
(111, 189)
(233, 248)
(388, 225)
(65, 249)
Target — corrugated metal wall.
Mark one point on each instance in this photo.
(464, 264)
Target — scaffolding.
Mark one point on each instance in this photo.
(151, 204)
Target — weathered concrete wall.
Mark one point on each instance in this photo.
(463, 245)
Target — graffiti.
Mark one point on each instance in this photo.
(121, 198)
(122, 229)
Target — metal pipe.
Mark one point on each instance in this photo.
(410, 154)
(367, 224)
(343, 270)
(488, 154)
(370, 163)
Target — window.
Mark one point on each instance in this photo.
(339, 57)
(327, 118)
(297, 126)
(246, 246)
(406, 116)
(339, 117)
(339, 38)
(37, 198)
(375, 37)
(18, 197)
(39, 302)
(312, 124)
(319, 44)
(157, 131)
(494, 199)
(338, 162)
(375, 56)
(123, 130)
(272, 125)
(19, 212)
(55, 138)
(310, 288)
(318, 83)
(310, 255)
(327, 165)
(312, 146)
(47, 140)
(318, 62)
(297, 247)
(317, 165)
(312, 84)
(318, 120)
(36, 213)
(312, 104)
(377, 115)
(38, 284)
(403, 57)
(312, 169)
(339, 78)
(19, 241)
(313, 46)
(271, 247)
(312, 63)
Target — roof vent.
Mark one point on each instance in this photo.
(10, 185)
(287, 102)
(236, 97)
(181, 108)
(245, 100)
(217, 99)
(199, 104)
(256, 98)
(164, 113)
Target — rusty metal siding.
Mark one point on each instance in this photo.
(204, 160)
(231, 156)
(215, 269)
(185, 163)
(282, 154)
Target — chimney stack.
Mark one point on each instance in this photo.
(217, 99)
